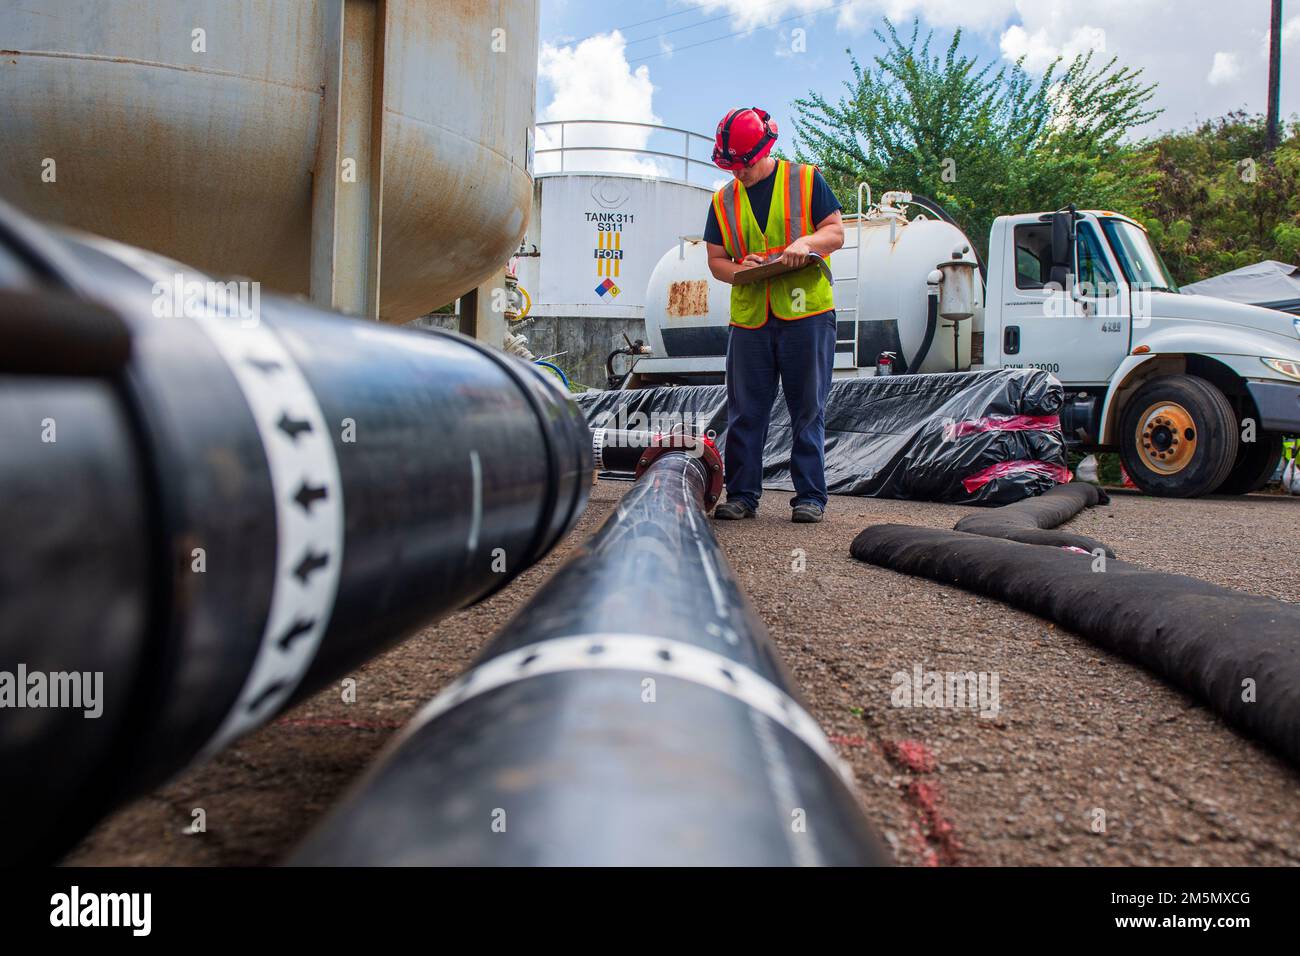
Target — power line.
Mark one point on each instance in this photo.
(736, 33)
(666, 16)
(629, 26)
(692, 26)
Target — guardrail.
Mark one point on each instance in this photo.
(574, 163)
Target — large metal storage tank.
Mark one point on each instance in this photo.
(213, 147)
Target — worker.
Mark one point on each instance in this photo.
(782, 328)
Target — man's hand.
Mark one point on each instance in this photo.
(753, 259)
(797, 253)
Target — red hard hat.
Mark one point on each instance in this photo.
(744, 137)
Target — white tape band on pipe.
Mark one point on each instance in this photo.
(304, 475)
(642, 654)
(308, 516)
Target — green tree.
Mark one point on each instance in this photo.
(982, 143)
(1220, 202)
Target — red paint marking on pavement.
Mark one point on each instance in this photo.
(942, 835)
(912, 755)
(339, 722)
(936, 834)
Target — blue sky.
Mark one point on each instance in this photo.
(661, 61)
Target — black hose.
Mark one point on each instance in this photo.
(1235, 652)
(634, 712)
(931, 205)
(1034, 520)
(931, 323)
(247, 508)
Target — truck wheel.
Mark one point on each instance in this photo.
(1178, 437)
(1256, 462)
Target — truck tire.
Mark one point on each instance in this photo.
(1178, 437)
(1256, 462)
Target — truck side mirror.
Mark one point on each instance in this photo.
(1062, 247)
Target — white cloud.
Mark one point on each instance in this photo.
(853, 15)
(1290, 32)
(1205, 60)
(1041, 51)
(1224, 69)
(1206, 57)
(593, 80)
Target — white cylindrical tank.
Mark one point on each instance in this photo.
(684, 302)
(599, 237)
(897, 257)
(200, 128)
(691, 309)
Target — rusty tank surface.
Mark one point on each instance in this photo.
(373, 154)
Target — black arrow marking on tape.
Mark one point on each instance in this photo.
(307, 494)
(257, 702)
(264, 365)
(296, 630)
(293, 427)
(309, 563)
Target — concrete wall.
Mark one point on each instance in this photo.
(585, 340)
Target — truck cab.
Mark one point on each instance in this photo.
(1195, 393)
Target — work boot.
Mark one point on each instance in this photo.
(732, 510)
(806, 513)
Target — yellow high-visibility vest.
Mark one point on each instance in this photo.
(795, 295)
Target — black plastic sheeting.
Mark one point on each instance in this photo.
(917, 437)
(1237, 653)
(1034, 521)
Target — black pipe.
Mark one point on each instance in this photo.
(631, 452)
(633, 713)
(243, 509)
(931, 323)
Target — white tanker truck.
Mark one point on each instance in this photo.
(1195, 393)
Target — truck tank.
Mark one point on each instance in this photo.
(687, 310)
(203, 129)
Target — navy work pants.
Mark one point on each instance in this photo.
(799, 354)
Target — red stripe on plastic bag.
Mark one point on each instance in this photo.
(1001, 423)
(1059, 473)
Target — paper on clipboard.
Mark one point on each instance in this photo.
(775, 267)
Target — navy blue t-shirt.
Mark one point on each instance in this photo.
(760, 200)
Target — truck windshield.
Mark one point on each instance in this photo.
(1142, 265)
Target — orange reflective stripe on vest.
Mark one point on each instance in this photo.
(794, 295)
(726, 206)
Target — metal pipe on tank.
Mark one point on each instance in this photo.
(635, 712)
(232, 509)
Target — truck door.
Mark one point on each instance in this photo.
(1080, 342)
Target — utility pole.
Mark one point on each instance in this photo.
(1274, 76)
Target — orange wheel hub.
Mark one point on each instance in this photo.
(1166, 438)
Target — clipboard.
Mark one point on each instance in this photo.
(775, 267)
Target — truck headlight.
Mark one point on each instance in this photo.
(1285, 366)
